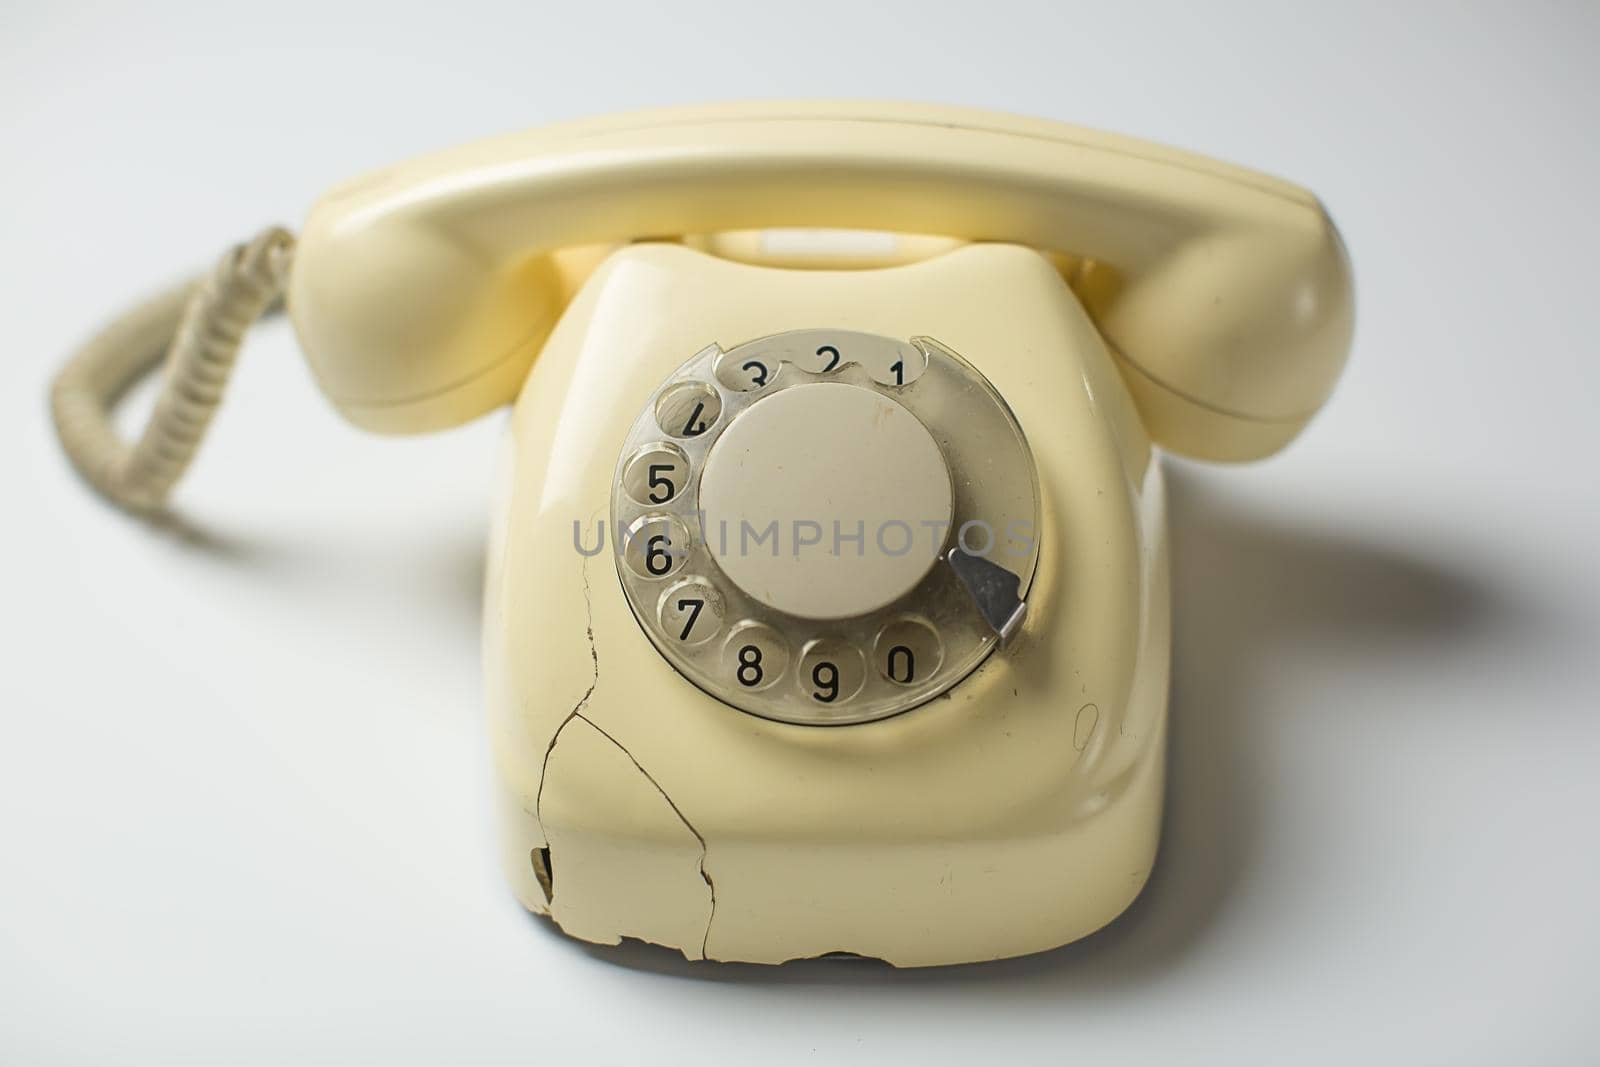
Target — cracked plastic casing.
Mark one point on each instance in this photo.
(1015, 812)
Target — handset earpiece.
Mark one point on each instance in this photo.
(1234, 340)
(412, 326)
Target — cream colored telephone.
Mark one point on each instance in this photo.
(827, 603)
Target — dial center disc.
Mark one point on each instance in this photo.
(826, 501)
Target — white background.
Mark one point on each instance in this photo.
(243, 779)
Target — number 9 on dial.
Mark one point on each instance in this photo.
(830, 672)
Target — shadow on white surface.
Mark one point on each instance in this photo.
(1247, 588)
(1252, 590)
(441, 570)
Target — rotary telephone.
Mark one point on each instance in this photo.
(827, 598)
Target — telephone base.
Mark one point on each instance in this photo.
(1016, 811)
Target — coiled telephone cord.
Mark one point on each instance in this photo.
(193, 331)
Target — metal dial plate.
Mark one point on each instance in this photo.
(823, 669)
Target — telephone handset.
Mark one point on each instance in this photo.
(1223, 294)
(827, 594)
